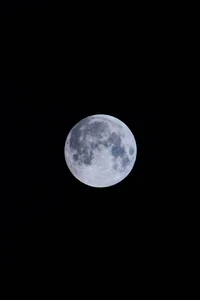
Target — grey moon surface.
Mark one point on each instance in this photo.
(100, 150)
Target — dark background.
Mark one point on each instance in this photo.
(63, 65)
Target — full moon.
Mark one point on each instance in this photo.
(100, 150)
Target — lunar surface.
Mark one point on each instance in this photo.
(100, 150)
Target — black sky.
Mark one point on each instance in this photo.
(61, 69)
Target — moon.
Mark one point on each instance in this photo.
(100, 150)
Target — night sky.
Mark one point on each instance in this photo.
(64, 66)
